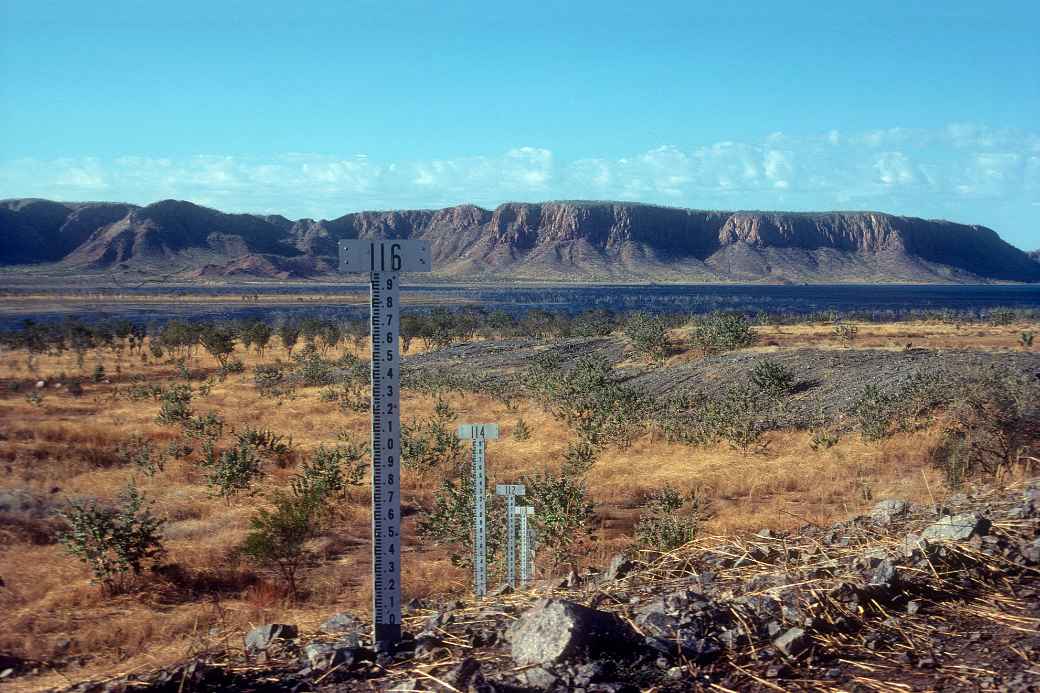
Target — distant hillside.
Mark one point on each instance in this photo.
(1035, 254)
(552, 241)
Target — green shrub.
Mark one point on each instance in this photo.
(664, 525)
(578, 458)
(521, 431)
(330, 471)
(270, 380)
(719, 332)
(278, 537)
(232, 471)
(140, 453)
(175, 405)
(113, 541)
(430, 444)
(207, 426)
(98, 375)
(1026, 340)
(277, 448)
(449, 522)
(219, 342)
(563, 514)
(872, 413)
(649, 336)
(773, 379)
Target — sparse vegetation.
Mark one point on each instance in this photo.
(115, 542)
(719, 332)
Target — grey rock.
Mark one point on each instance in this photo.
(540, 679)
(618, 568)
(465, 676)
(885, 573)
(322, 656)
(793, 642)
(262, 638)
(888, 510)
(957, 528)
(340, 623)
(405, 686)
(556, 630)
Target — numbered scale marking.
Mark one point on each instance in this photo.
(478, 434)
(384, 260)
(510, 491)
(526, 562)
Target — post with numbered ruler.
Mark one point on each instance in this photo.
(510, 491)
(478, 434)
(526, 560)
(384, 260)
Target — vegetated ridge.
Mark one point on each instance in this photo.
(552, 241)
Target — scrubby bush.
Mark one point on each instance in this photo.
(719, 332)
(430, 444)
(141, 453)
(278, 537)
(231, 471)
(991, 427)
(450, 521)
(563, 513)
(270, 380)
(277, 448)
(773, 379)
(872, 413)
(521, 431)
(175, 405)
(579, 457)
(329, 472)
(113, 541)
(666, 523)
(648, 335)
(289, 334)
(846, 332)
(1026, 340)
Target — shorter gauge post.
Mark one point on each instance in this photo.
(478, 434)
(523, 512)
(383, 261)
(510, 491)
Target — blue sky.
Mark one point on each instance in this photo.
(319, 108)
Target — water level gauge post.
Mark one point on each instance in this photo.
(479, 434)
(510, 491)
(383, 261)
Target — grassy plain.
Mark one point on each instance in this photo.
(60, 446)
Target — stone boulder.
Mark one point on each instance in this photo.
(556, 630)
(957, 528)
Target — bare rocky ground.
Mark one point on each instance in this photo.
(827, 382)
(907, 598)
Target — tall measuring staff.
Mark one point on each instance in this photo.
(478, 434)
(384, 260)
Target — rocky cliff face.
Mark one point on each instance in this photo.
(1035, 255)
(565, 241)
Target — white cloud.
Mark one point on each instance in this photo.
(894, 169)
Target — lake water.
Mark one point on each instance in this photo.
(349, 301)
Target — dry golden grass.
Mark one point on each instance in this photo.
(64, 447)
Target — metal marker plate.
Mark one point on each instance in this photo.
(473, 431)
(401, 255)
(510, 491)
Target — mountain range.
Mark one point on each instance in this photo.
(536, 242)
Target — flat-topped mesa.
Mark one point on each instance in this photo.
(549, 241)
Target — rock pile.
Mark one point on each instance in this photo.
(905, 597)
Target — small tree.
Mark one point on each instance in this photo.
(277, 538)
(175, 405)
(521, 431)
(450, 521)
(113, 541)
(289, 334)
(219, 342)
(873, 413)
(1026, 340)
(260, 336)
